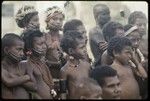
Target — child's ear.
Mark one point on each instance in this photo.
(6, 50)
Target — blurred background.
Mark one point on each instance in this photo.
(82, 10)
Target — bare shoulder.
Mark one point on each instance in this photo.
(115, 66)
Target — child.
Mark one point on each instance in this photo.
(120, 48)
(110, 30)
(138, 18)
(16, 82)
(139, 61)
(76, 67)
(35, 45)
(102, 16)
(54, 57)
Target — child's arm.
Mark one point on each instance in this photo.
(30, 86)
(139, 67)
(10, 80)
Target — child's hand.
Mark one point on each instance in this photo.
(142, 72)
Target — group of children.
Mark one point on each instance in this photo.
(40, 65)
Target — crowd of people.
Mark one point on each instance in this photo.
(50, 65)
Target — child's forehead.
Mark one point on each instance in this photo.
(36, 38)
(140, 20)
(134, 34)
(17, 42)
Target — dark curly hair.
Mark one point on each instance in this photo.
(136, 14)
(117, 44)
(24, 22)
(70, 40)
(71, 25)
(109, 29)
(99, 73)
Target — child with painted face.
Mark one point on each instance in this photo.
(138, 60)
(133, 34)
(16, 82)
(76, 67)
(27, 18)
(35, 45)
(138, 18)
(54, 21)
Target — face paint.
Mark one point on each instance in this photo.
(31, 26)
(38, 52)
(15, 57)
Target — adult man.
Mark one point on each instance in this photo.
(98, 45)
(108, 79)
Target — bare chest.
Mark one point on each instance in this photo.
(79, 72)
(17, 70)
(125, 73)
